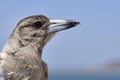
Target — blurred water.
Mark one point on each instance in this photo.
(84, 77)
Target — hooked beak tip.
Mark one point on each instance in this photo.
(58, 25)
(73, 23)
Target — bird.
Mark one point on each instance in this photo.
(21, 57)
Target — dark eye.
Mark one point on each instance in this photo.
(37, 24)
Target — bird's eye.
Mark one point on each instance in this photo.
(37, 24)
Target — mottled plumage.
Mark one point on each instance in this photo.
(21, 58)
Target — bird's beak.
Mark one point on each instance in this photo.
(58, 25)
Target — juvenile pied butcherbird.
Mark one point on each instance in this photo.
(21, 57)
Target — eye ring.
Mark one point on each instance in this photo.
(37, 24)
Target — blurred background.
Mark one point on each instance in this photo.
(78, 53)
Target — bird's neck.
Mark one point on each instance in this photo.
(24, 60)
(14, 45)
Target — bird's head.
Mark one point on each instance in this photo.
(39, 29)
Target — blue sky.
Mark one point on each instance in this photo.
(95, 42)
